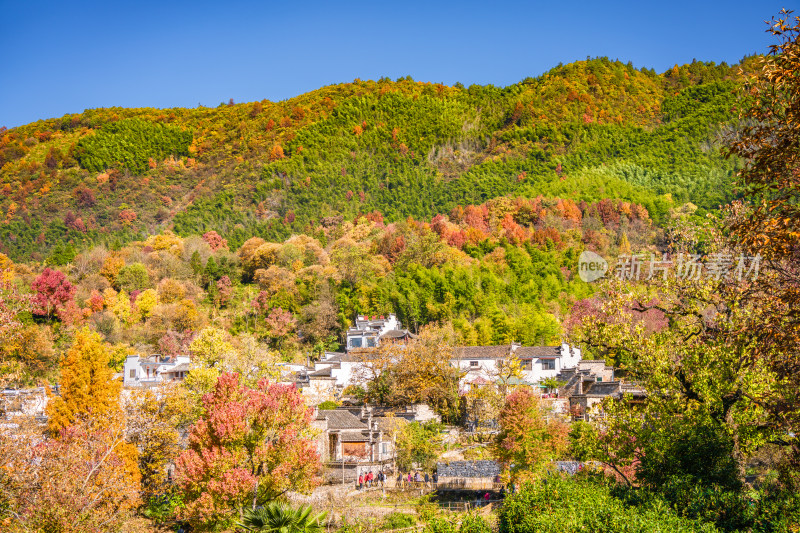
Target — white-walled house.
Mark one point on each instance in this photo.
(342, 367)
(483, 363)
(369, 331)
(538, 362)
(154, 370)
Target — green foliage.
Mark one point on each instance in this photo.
(133, 278)
(163, 507)
(328, 404)
(558, 505)
(131, 144)
(419, 445)
(397, 520)
(439, 524)
(400, 148)
(473, 523)
(698, 450)
(62, 255)
(278, 517)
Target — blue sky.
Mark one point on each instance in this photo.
(64, 57)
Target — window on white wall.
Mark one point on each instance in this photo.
(133, 372)
(548, 364)
(474, 364)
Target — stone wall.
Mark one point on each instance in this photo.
(468, 469)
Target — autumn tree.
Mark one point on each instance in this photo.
(354, 261)
(224, 291)
(154, 426)
(85, 479)
(111, 267)
(13, 303)
(419, 445)
(769, 222)
(87, 385)
(528, 442)
(52, 291)
(279, 324)
(215, 352)
(215, 241)
(250, 447)
(419, 371)
(146, 302)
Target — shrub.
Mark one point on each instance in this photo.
(559, 505)
(398, 521)
(473, 523)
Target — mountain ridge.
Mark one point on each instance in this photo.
(586, 131)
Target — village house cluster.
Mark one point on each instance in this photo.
(353, 437)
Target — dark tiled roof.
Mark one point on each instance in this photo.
(503, 350)
(390, 423)
(340, 419)
(353, 436)
(324, 373)
(360, 355)
(356, 355)
(481, 352)
(601, 388)
(398, 334)
(183, 367)
(332, 357)
(533, 352)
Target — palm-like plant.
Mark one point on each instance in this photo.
(280, 518)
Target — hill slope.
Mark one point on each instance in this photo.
(585, 131)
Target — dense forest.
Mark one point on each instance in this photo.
(450, 205)
(587, 131)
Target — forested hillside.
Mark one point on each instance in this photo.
(587, 131)
(273, 224)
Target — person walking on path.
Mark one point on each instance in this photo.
(360, 481)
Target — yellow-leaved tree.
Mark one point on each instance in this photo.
(87, 384)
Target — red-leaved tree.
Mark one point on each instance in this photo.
(528, 442)
(215, 241)
(250, 447)
(52, 290)
(279, 324)
(224, 291)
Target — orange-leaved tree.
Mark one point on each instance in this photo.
(87, 384)
(528, 442)
(769, 222)
(86, 479)
(251, 446)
